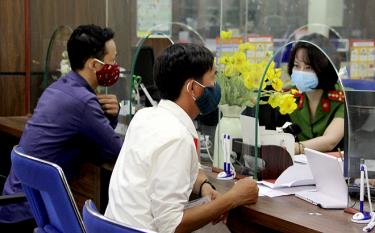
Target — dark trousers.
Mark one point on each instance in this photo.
(26, 226)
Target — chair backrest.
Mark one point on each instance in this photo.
(98, 223)
(48, 194)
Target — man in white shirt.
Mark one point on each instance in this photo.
(158, 167)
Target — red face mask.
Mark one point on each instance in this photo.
(108, 74)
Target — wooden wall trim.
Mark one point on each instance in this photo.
(27, 55)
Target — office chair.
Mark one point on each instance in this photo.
(48, 194)
(98, 223)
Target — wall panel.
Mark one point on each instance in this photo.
(12, 43)
(12, 58)
(12, 95)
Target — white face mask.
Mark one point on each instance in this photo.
(304, 81)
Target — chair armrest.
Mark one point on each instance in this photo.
(12, 199)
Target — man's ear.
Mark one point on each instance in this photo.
(91, 64)
(189, 85)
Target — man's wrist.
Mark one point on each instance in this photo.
(301, 148)
(206, 181)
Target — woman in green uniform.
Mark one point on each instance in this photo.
(320, 112)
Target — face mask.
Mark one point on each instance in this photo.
(304, 81)
(108, 74)
(210, 98)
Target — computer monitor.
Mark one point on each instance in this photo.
(144, 65)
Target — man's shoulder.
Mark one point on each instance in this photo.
(155, 115)
(65, 87)
(159, 119)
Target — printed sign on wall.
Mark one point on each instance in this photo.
(151, 13)
(362, 59)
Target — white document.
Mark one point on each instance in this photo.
(301, 158)
(331, 188)
(296, 175)
(269, 192)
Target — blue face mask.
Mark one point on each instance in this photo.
(210, 98)
(304, 81)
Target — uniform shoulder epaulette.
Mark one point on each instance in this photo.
(336, 96)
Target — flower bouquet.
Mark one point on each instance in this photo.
(241, 80)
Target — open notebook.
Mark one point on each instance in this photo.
(331, 190)
(296, 175)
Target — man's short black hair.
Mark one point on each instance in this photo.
(320, 64)
(87, 41)
(179, 63)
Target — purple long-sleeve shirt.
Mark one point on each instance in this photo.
(66, 125)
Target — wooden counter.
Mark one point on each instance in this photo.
(13, 125)
(285, 214)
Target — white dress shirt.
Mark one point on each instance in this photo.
(156, 169)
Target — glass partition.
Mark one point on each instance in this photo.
(268, 52)
(142, 87)
(348, 47)
(56, 61)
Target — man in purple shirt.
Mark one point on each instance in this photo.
(70, 119)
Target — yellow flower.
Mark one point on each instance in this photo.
(229, 70)
(239, 57)
(294, 91)
(248, 80)
(246, 46)
(240, 79)
(277, 84)
(242, 47)
(224, 60)
(273, 74)
(277, 73)
(287, 104)
(273, 100)
(225, 34)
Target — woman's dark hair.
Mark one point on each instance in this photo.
(318, 61)
(87, 41)
(179, 63)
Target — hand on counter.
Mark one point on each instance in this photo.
(245, 191)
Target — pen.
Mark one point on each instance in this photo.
(228, 155)
(224, 153)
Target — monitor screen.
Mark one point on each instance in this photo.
(144, 66)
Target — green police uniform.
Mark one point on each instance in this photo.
(331, 105)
